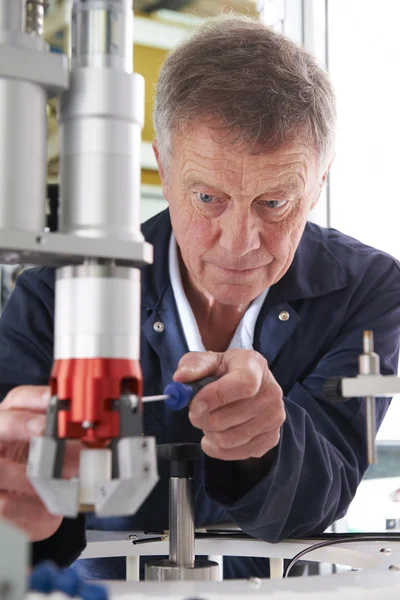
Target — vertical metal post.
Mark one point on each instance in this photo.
(181, 526)
(12, 15)
(369, 365)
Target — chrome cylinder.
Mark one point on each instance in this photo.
(165, 570)
(102, 34)
(368, 364)
(12, 15)
(101, 118)
(23, 154)
(97, 310)
(181, 522)
(34, 24)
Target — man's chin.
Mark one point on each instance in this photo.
(234, 294)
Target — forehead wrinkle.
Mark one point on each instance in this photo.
(243, 171)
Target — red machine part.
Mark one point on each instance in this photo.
(90, 386)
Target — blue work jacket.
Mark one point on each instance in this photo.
(335, 288)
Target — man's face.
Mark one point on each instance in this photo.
(238, 217)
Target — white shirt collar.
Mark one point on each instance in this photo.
(244, 334)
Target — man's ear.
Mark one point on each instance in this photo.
(323, 182)
(161, 169)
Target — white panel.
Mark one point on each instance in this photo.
(315, 41)
(364, 58)
(293, 23)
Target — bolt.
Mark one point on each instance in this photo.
(134, 538)
(88, 424)
(146, 470)
(144, 445)
(394, 568)
(386, 551)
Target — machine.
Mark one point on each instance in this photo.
(96, 383)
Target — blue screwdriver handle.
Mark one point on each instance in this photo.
(181, 394)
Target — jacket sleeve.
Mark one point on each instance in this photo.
(26, 357)
(321, 457)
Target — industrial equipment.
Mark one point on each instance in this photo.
(96, 383)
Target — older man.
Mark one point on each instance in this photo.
(271, 304)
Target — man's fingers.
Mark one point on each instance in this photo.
(239, 435)
(235, 385)
(13, 478)
(29, 514)
(20, 425)
(196, 365)
(71, 459)
(30, 397)
(228, 416)
(257, 448)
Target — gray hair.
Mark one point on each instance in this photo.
(238, 75)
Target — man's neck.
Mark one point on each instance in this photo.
(217, 322)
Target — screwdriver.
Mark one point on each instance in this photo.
(179, 395)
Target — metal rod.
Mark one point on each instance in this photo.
(371, 429)
(368, 342)
(181, 522)
(12, 15)
(155, 398)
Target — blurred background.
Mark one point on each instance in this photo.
(358, 42)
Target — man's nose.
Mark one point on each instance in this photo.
(239, 233)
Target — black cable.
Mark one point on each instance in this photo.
(341, 540)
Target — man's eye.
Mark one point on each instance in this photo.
(206, 198)
(275, 203)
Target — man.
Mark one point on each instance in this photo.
(274, 306)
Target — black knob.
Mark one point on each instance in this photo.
(181, 456)
(333, 390)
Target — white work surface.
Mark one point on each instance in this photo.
(359, 555)
(376, 582)
(347, 586)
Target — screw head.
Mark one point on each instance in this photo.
(87, 424)
(394, 568)
(134, 538)
(158, 326)
(386, 551)
(284, 316)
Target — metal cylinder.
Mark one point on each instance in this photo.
(369, 364)
(35, 17)
(181, 522)
(102, 34)
(12, 15)
(165, 570)
(23, 155)
(101, 118)
(97, 312)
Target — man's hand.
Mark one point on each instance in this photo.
(22, 416)
(240, 414)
